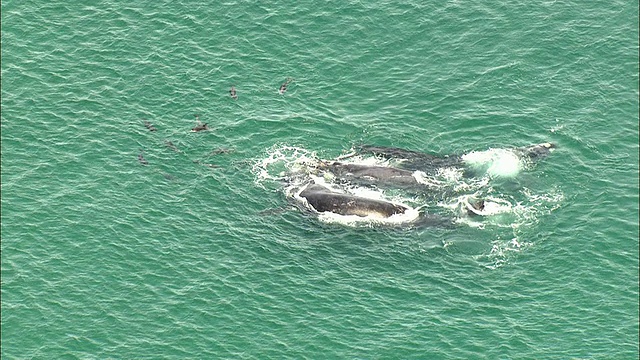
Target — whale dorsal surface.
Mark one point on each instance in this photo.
(323, 199)
(369, 173)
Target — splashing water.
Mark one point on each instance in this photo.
(282, 162)
(495, 162)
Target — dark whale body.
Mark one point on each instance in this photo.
(384, 175)
(323, 199)
(392, 152)
(428, 163)
(536, 152)
(413, 159)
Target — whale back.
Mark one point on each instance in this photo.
(539, 151)
(373, 174)
(325, 200)
(413, 160)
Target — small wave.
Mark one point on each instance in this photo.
(501, 252)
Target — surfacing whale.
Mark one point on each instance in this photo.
(536, 152)
(414, 160)
(323, 199)
(370, 174)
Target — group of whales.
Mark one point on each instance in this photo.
(322, 199)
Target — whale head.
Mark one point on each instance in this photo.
(539, 151)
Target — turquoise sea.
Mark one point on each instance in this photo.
(202, 254)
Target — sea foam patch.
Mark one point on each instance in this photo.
(495, 162)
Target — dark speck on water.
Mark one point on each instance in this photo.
(149, 126)
(171, 145)
(142, 160)
(283, 87)
(221, 151)
(200, 127)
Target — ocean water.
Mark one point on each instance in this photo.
(203, 252)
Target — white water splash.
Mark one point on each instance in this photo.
(282, 162)
(424, 179)
(495, 162)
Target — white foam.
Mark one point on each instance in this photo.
(282, 161)
(496, 212)
(492, 206)
(496, 162)
(450, 174)
(424, 179)
(354, 220)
